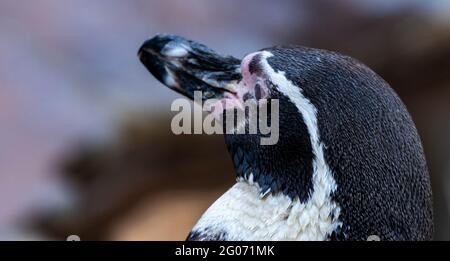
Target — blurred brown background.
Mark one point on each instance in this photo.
(85, 140)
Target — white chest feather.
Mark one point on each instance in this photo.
(243, 214)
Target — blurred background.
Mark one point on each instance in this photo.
(85, 140)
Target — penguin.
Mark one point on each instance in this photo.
(348, 164)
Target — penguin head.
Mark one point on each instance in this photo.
(186, 66)
(346, 142)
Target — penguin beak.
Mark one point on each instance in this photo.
(187, 66)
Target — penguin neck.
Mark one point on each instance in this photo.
(284, 199)
(292, 180)
(285, 167)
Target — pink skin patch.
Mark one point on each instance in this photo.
(250, 87)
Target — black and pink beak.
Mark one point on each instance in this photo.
(187, 66)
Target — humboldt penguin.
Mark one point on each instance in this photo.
(348, 163)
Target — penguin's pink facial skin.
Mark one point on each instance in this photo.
(253, 78)
(253, 86)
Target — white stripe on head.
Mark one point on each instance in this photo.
(323, 182)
